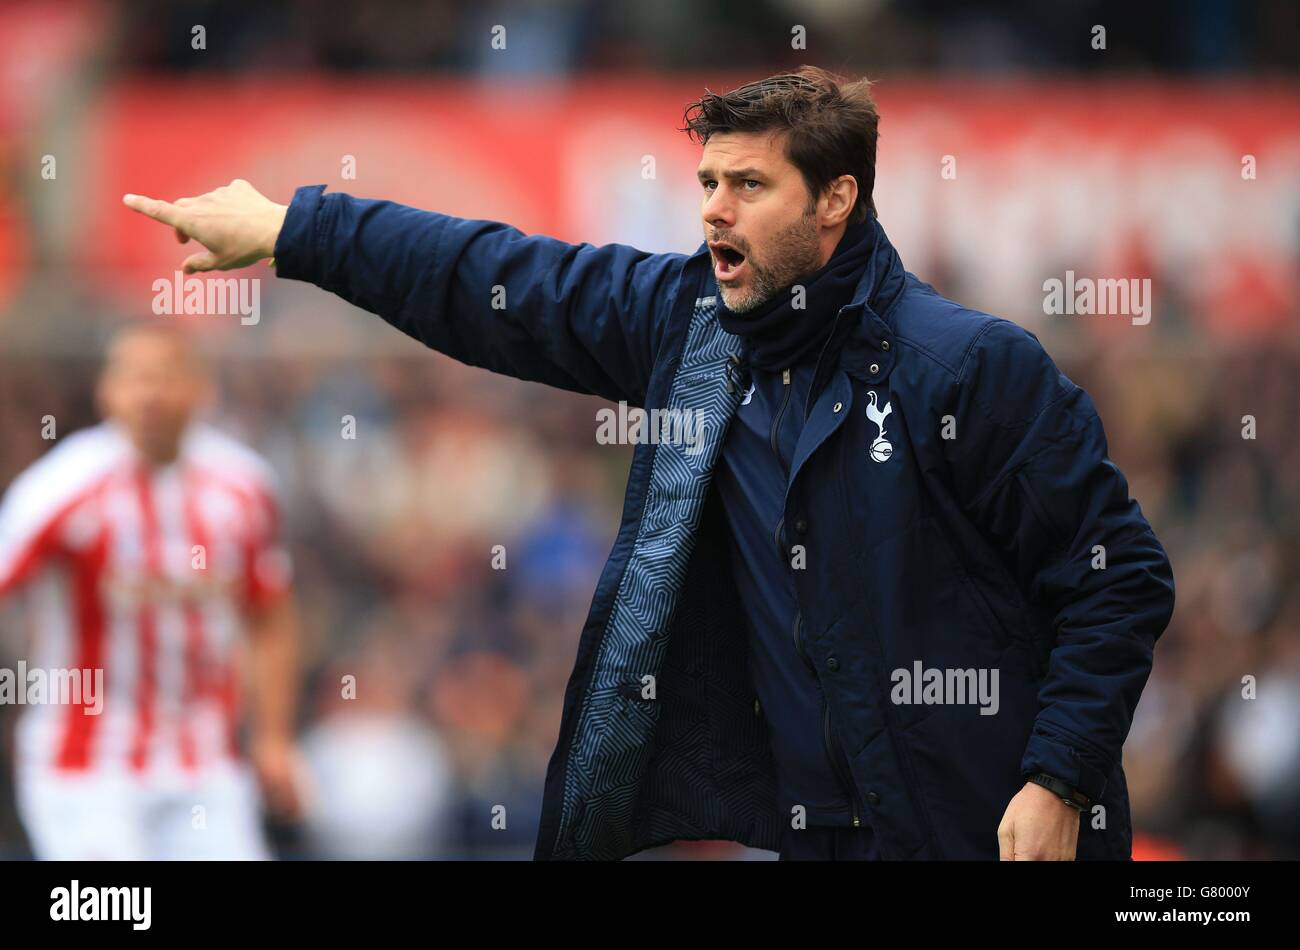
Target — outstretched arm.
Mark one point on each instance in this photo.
(575, 316)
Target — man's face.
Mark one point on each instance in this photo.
(759, 219)
(152, 384)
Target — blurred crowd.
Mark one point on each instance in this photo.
(446, 556)
(561, 36)
(444, 559)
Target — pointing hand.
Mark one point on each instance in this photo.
(236, 224)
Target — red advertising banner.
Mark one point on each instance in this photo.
(995, 189)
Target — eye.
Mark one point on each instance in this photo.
(751, 181)
(706, 184)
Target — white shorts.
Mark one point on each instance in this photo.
(213, 814)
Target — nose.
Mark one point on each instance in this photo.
(719, 211)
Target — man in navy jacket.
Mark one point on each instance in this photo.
(881, 595)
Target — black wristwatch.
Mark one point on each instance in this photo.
(1062, 790)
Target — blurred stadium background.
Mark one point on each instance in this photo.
(1126, 161)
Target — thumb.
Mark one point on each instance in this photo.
(1006, 841)
(202, 261)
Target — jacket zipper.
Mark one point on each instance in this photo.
(846, 785)
(776, 431)
(780, 413)
(846, 781)
(813, 390)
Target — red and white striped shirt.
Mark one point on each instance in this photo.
(145, 573)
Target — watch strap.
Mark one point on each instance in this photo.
(1062, 790)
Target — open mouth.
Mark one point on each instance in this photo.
(727, 261)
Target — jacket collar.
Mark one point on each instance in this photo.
(870, 348)
(865, 325)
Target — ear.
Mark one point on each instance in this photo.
(838, 200)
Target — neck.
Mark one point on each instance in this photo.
(151, 452)
(156, 454)
(156, 457)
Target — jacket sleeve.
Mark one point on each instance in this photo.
(575, 316)
(1031, 468)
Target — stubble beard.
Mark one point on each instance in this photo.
(795, 252)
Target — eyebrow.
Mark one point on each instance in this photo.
(705, 174)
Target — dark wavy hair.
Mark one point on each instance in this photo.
(832, 124)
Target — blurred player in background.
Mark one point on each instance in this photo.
(149, 546)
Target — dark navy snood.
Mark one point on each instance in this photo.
(777, 333)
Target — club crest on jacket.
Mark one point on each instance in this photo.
(881, 450)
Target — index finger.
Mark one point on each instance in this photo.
(154, 208)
